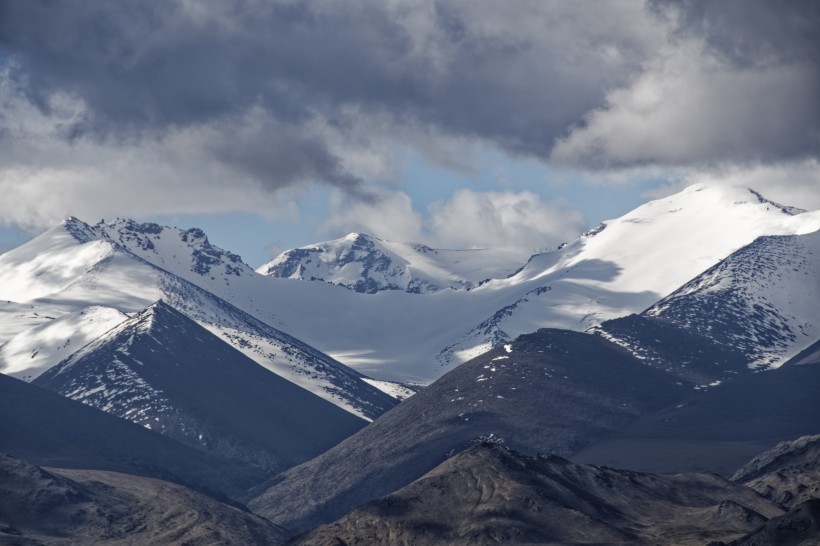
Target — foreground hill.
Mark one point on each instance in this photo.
(163, 371)
(788, 474)
(554, 390)
(489, 495)
(99, 507)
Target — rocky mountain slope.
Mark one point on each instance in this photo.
(489, 495)
(720, 428)
(163, 371)
(47, 429)
(99, 507)
(554, 390)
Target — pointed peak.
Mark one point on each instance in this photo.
(160, 307)
(356, 236)
(159, 310)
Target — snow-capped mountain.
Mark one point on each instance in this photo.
(55, 317)
(33, 351)
(364, 263)
(161, 370)
(623, 267)
(627, 264)
(757, 308)
(762, 300)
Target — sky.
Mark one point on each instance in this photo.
(273, 124)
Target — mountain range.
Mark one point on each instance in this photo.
(681, 337)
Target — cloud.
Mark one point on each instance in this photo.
(513, 75)
(689, 108)
(243, 101)
(793, 184)
(45, 177)
(390, 215)
(519, 221)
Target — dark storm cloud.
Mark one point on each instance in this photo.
(751, 32)
(519, 75)
(160, 65)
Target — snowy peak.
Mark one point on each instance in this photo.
(366, 264)
(178, 251)
(763, 300)
(162, 370)
(627, 264)
(78, 229)
(51, 262)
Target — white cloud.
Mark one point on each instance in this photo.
(795, 184)
(519, 221)
(688, 107)
(389, 215)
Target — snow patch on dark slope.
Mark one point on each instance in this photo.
(763, 300)
(163, 371)
(367, 264)
(553, 390)
(47, 429)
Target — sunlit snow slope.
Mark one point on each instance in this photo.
(42, 324)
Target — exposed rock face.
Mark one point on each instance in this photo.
(554, 390)
(800, 526)
(788, 474)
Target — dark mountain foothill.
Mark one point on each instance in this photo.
(552, 391)
(720, 429)
(47, 429)
(61, 506)
(490, 495)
